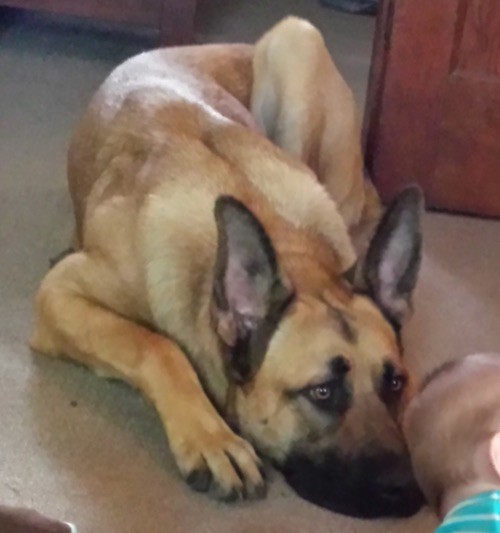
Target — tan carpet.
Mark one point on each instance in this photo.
(92, 451)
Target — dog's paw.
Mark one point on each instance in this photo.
(219, 462)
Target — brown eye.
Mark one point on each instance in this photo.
(393, 382)
(396, 383)
(320, 393)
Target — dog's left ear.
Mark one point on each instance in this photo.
(248, 290)
(390, 268)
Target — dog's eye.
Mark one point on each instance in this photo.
(320, 393)
(393, 382)
(396, 383)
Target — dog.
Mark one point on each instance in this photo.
(216, 190)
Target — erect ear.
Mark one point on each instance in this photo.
(249, 292)
(495, 452)
(390, 268)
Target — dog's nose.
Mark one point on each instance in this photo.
(396, 484)
(393, 491)
(396, 490)
(396, 479)
(364, 486)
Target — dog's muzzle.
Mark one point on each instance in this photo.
(367, 486)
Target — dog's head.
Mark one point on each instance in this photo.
(320, 379)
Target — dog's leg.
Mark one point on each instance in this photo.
(60, 256)
(72, 248)
(303, 104)
(70, 322)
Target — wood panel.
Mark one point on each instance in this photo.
(420, 50)
(436, 120)
(478, 44)
(467, 174)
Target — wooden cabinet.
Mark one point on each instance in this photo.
(433, 108)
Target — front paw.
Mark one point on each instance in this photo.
(219, 462)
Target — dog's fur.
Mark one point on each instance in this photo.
(210, 264)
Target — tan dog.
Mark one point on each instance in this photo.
(210, 270)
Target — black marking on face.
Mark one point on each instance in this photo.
(392, 385)
(340, 366)
(395, 325)
(346, 326)
(333, 395)
(249, 351)
(371, 485)
(249, 293)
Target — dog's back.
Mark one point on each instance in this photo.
(162, 128)
(128, 103)
(162, 116)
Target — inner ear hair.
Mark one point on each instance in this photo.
(249, 291)
(393, 258)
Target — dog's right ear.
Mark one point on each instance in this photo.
(388, 272)
(247, 281)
